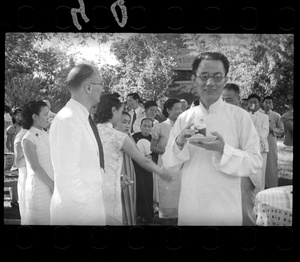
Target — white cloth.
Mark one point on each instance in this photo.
(22, 175)
(37, 193)
(77, 197)
(140, 113)
(112, 141)
(211, 184)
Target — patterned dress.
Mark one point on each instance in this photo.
(37, 193)
(112, 141)
(168, 191)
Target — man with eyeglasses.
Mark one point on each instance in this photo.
(212, 170)
(77, 153)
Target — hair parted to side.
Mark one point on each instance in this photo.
(148, 104)
(169, 105)
(215, 56)
(268, 97)
(78, 74)
(134, 96)
(28, 110)
(254, 96)
(234, 87)
(104, 109)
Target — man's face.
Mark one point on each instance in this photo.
(268, 104)
(96, 82)
(230, 97)
(151, 112)
(253, 104)
(131, 103)
(244, 104)
(146, 127)
(210, 91)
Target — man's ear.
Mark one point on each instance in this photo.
(87, 87)
(193, 77)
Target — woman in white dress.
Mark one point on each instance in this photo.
(168, 191)
(39, 183)
(108, 114)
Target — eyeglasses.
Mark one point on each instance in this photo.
(100, 84)
(216, 77)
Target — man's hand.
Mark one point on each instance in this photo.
(185, 133)
(215, 145)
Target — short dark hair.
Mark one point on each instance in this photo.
(135, 96)
(29, 109)
(244, 99)
(7, 109)
(169, 105)
(103, 112)
(78, 74)
(146, 118)
(14, 113)
(126, 113)
(254, 96)
(149, 104)
(233, 87)
(210, 56)
(268, 97)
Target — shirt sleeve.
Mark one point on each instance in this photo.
(174, 157)
(155, 132)
(246, 160)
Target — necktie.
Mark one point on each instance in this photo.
(101, 154)
(133, 119)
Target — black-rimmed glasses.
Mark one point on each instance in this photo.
(216, 77)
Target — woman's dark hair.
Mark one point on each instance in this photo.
(169, 105)
(14, 113)
(103, 112)
(214, 56)
(7, 109)
(126, 113)
(29, 109)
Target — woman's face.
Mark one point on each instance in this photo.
(124, 124)
(41, 120)
(175, 111)
(117, 115)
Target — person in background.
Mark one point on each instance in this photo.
(288, 122)
(150, 112)
(51, 114)
(136, 112)
(276, 128)
(39, 182)
(184, 105)
(249, 185)
(195, 103)
(144, 178)
(108, 114)
(160, 100)
(128, 189)
(261, 123)
(7, 123)
(168, 191)
(212, 170)
(77, 153)
(13, 129)
(20, 164)
(244, 103)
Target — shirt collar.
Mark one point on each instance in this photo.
(213, 107)
(36, 131)
(82, 108)
(168, 120)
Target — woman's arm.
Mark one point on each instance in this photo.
(9, 142)
(19, 156)
(130, 148)
(30, 154)
(154, 148)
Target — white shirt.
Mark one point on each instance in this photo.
(210, 186)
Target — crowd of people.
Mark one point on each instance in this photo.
(100, 161)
